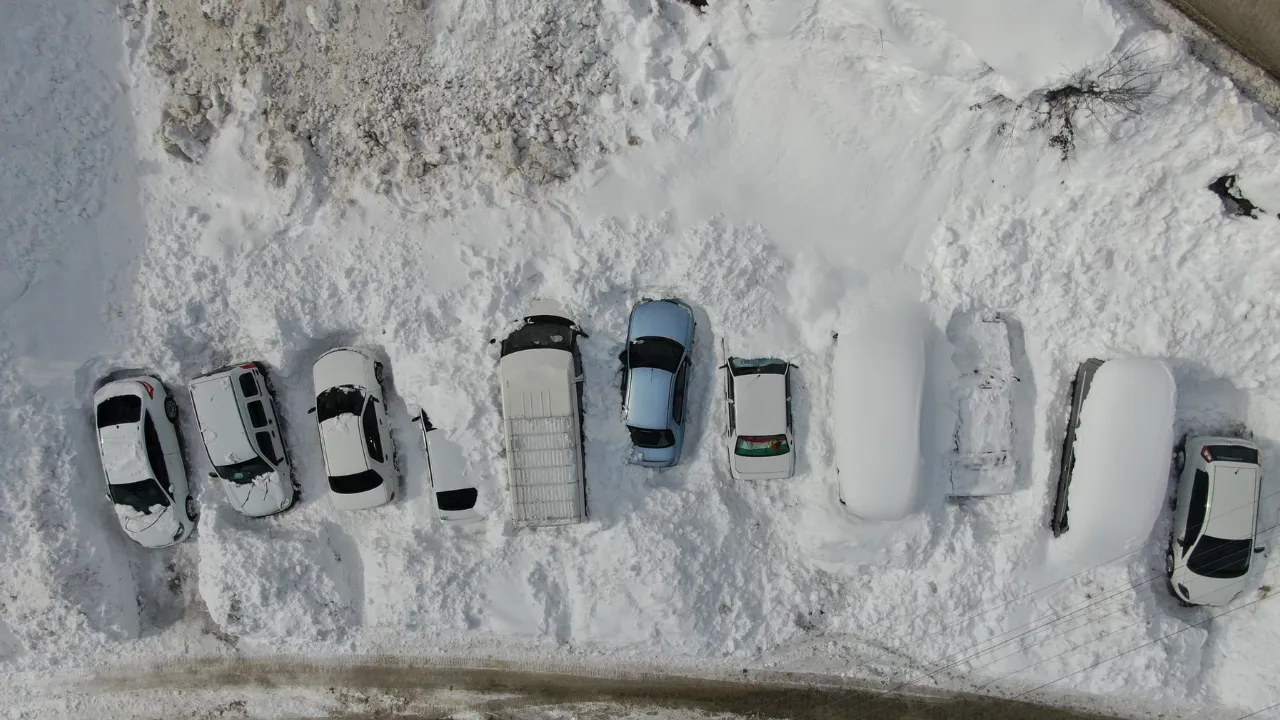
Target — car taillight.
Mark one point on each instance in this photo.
(151, 392)
(249, 366)
(1204, 453)
(393, 497)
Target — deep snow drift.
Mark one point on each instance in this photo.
(784, 167)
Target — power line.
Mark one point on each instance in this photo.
(1258, 712)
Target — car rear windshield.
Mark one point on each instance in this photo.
(464, 499)
(119, 410)
(758, 366)
(243, 473)
(645, 438)
(141, 496)
(341, 400)
(1232, 453)
(656, 352)
(1217, 558)
(357, 483)
(761, 446)
(540, 332)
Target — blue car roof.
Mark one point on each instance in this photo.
(661, 318)
(649, 398)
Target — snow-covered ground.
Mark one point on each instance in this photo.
(407, 176)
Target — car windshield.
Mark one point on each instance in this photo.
(356, 483)
(119, 410)
(1232, 453)
(245, 472)
(645, 438)
(464, 499)
(141, 496)
(758, 366)
(656, 352)
(761, 446)
(341, 400)
(542, 331)
(1217, 558)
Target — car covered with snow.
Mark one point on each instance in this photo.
(136, 421)
(456, 498)
(984, 462)
(236, 413)
(758, 404)
(1117, 459)
(878, 369)
(1215, 521)
(355, 435)
(540, 371)
(656, 364)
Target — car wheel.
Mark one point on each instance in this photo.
(1180, 460)
(1168, 562)
(171, 409)
(191, 509)
(377, 372)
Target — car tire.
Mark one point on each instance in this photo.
(191, 509)
(1180, 459)
(378, 372)
(171, 409)
(1168, 562)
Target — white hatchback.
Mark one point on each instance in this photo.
(238, 423)
(136, 423)
(1215, 520)
(355, 436)
(758, 396)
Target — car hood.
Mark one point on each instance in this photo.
(343, 444)
(154, 527)
(344, 367)
(649, 398)
(1203, 590)
(266, 495)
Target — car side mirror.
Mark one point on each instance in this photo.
(213, 475)
(1259, 549)
(311, 411)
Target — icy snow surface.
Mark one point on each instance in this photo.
(385, 175)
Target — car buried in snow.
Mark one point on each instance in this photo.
(355, 436)
(136, 422)
(1215, 520)
(236, 413)
(657, 361)
(758, 405)
(540, 370)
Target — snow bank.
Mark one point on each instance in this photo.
(1124, 447)
(879, 384)
(259, 581)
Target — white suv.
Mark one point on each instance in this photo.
(355, 437)
(1215, 520)
(136, 422)
(237, 417)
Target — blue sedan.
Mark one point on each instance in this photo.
(656, 366)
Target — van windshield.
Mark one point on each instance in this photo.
(243, 473)
(543, 331)
(341, 400)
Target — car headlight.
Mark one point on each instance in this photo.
(1182, 590)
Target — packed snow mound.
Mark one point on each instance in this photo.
(1124, 447)
(262, 582)
(378, 89)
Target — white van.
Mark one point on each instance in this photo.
(541, 375)
(236, 414)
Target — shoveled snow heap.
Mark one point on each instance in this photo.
(783, 165)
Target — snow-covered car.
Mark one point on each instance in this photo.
(236, 413)
(984, 462)
(758, 401)
(1121, 443)
(879, 371)
(657, 361)
(456, 499)
(136, 422)
(540, 370)
(1215, 520)
(355, 436)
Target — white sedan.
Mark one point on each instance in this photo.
(758, 396)
(355, 436)
(1215, 520)
(136, 423)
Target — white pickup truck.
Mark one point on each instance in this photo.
(541, 374)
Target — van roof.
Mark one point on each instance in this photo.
(221, 425)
